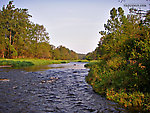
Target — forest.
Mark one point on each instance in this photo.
(21, 38)
(122, 73)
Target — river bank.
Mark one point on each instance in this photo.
(119, 85)
(61, 90)
(28, 62)
(33, 62)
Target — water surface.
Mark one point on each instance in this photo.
(58, 89)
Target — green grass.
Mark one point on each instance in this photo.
(84, 61)
(35, 62)
(79, 61)
(29, 62)
(15, 63)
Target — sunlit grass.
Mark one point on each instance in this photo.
(79, 61)
(29, 62)
(35, 62)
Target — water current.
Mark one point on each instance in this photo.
(60, 88)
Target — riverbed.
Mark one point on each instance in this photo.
(58, 88)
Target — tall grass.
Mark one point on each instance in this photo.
(29, 62)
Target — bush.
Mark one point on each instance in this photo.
(121, 81)
(136, 100)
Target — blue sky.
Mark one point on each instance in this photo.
(71, 23)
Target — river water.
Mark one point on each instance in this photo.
(58, 88)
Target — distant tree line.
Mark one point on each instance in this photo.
(21, 38)
(63, 53)
(82, 56)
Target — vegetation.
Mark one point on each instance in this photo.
(123, 71)
(63, 53)
(21, 38)
(92, 55)
(15, 63)
(81, 56)
(29, 62)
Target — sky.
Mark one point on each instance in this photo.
(74, 24)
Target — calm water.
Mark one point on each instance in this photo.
(71, 65)
(59, 88)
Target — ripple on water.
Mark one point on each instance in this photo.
(69, 93)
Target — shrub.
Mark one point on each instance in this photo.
(136, 100)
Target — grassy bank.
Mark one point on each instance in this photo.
(119, 82)
(29, 62)
(36, 62)
(80, 61)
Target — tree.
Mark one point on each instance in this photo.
(125, 46)
(15, 24)
(19, 37)
(64, 53)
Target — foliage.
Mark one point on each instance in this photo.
(21, 38)
(124, 53)
(91, 63)
(136, 100)
(63, 53)
(81, 56)
(92, 55)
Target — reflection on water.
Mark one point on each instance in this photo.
(37, 68)
(71, 65)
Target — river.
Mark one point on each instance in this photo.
(58, 88)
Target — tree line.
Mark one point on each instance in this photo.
(123, 70)
(115, 27)
(21, 38)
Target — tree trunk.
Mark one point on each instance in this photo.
(10, 37)
(3, 56)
